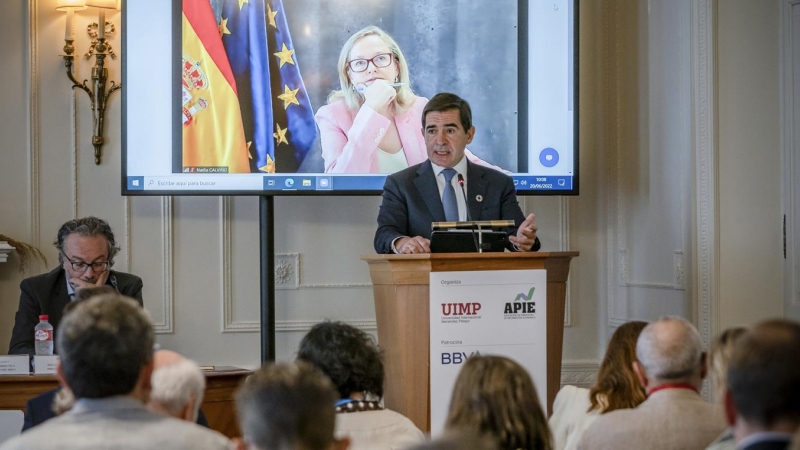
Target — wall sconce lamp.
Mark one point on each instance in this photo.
(99, 49)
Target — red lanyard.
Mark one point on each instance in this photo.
(672, 386)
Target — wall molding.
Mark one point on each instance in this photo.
(283, 326)
(33, 122)
(616, 322)
(611, 141)
(167, 294)
(580, 372)
(563, 214)
(677, 273)
(790, 164)
(73, 122)
(707, 169)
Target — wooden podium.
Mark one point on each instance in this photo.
(401, 289)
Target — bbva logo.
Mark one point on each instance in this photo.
(457, 357)
(460, 309)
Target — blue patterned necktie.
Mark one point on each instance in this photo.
(449, 196)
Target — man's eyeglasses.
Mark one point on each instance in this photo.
(360, 65)
(80, 266)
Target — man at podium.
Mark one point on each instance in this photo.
(447, 187)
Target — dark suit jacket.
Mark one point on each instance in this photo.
(40, 408)
(770, 444)
(47, 294)
(411, 201)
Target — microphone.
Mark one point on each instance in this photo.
(464, 194)
(475, 240)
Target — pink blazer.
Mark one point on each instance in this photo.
(349, 143)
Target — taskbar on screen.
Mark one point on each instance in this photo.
(310, 182)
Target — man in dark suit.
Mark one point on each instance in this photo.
(417, 196)
(86, 250)
(762, 402)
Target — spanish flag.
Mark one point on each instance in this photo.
(213, 135)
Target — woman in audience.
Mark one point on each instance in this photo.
(373, 122)
(495, 396)
(617, 387)
(718, 357)
(351, 359)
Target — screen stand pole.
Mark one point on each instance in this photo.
(266, 217)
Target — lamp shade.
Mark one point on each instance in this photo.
(106, 4)
(70, 5)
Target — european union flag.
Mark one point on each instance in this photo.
(276, 113)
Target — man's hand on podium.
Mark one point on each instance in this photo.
(416, 244)
(526, 234)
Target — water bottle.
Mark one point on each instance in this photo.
(43, 335)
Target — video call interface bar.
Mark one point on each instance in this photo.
(299, 182)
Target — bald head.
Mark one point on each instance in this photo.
(178, 386)
(669, 350)
(164, 358)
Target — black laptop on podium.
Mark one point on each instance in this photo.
(468, 241)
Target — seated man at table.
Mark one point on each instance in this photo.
(106, 349)
(432, 190)
(86, 250)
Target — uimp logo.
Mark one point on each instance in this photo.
(460, 309)
(523, 306)
(460, 312)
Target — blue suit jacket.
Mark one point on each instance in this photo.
(411, 201)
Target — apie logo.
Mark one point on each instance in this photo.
(523, 306)
(460, 312)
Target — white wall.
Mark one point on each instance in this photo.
(751, 236)
(634, 222)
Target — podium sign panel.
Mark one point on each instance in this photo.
(497, 312)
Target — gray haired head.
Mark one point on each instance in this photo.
(670, 349)
(86, 226)
(177, 385)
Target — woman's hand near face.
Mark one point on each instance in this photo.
(379, 96)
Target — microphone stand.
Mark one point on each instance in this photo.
(479, 243)
(480, 239)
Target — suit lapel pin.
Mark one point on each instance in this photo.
(479, 198)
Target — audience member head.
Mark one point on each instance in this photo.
(719, 354)
(617, 386)
(669, 351)
(178, 385)
(348, 356)
(90, 228)
(106, 348)
(459, 440)
(495, 396)
(764, 380)
(288, 406)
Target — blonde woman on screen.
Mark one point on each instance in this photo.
(373, 122)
